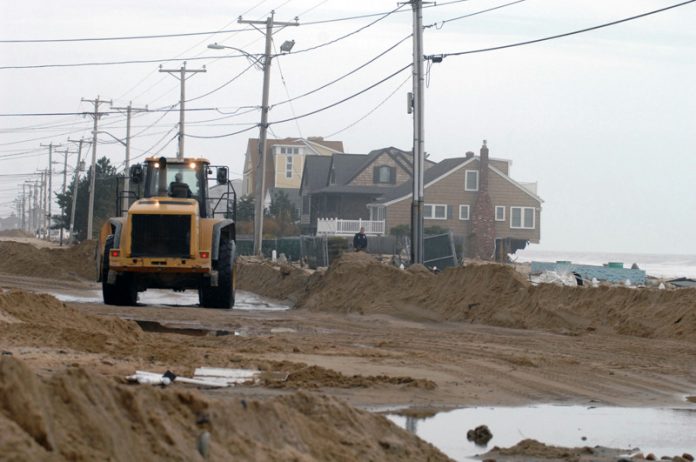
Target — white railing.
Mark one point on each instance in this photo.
(338, 227)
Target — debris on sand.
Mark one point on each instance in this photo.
(530, 450)
(480, 435)
(78, 415)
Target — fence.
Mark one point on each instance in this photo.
(338, 227)
(316, 251)
(311, 249)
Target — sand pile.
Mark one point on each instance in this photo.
(498, 295)
(75, 415)
(286, 374)
(532, 450)
(29, 319)
(74, 263)
(284, 282)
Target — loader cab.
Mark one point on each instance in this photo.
(178, 179)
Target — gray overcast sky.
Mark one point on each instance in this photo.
(604, 121)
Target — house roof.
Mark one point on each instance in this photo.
(429, 175)
(353, 189)
(439, 171)
(315, 173)
(400, 157)
(253, 143)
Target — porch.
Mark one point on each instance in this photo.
(339, 227)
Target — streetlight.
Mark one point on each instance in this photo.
(260, 186)
(254, 59)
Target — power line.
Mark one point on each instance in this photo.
(163, 109)
(391, 76)
(552, 37)
(442, 23)
(223, 85)
(225, 135)
(356, 31)
(345, 75)
(123, 37)
(354, 95)
(114, 63)
(371, 111)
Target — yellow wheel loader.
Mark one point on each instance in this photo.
(173, 237)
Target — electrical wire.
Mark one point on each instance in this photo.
(345, 75)
(287, 93)
(223, 85)
(371, 111)
(356, 31)
(222, 136)
(475, 13)
(566, 34)
(354, 95)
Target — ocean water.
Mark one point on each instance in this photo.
(662, 266)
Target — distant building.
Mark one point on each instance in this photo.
(11, 222)
(285, 160)
(472, 196)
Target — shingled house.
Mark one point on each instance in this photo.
(285, 160)
(473, 196)
(341, 186)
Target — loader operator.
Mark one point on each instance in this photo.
(178, 188)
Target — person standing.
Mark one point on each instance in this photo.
(360, 240)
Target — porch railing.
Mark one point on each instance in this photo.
(339, 227)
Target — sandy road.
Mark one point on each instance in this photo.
(470, 364)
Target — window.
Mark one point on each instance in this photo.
(377, 213)
(435, 211)
(471, 180)
(288, 167)
(522, 217)
(464, 212)
(384, 174)
(289, 150)
(499, 213)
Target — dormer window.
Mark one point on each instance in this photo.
(289, 150)
(384, 174)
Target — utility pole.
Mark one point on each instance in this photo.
(76, 184)
(126, 181)
(42, 207)
(65, 178)
(50, 147)
(418, 132)
(260, 180)
(23, 223)
(182, 78)
(35, 218)
(92, 183)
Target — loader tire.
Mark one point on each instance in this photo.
(221, 296)
(124, 291)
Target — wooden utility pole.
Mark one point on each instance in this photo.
(126, 181)
(260, 180)
(182, 71)
(96, 115)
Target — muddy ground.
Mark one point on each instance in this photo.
(362, 335)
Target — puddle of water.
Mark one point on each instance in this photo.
(244, 300)
(660, 431)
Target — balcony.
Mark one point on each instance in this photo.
(338, 227)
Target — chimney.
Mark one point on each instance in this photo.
(469, 155)
(483, 168)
